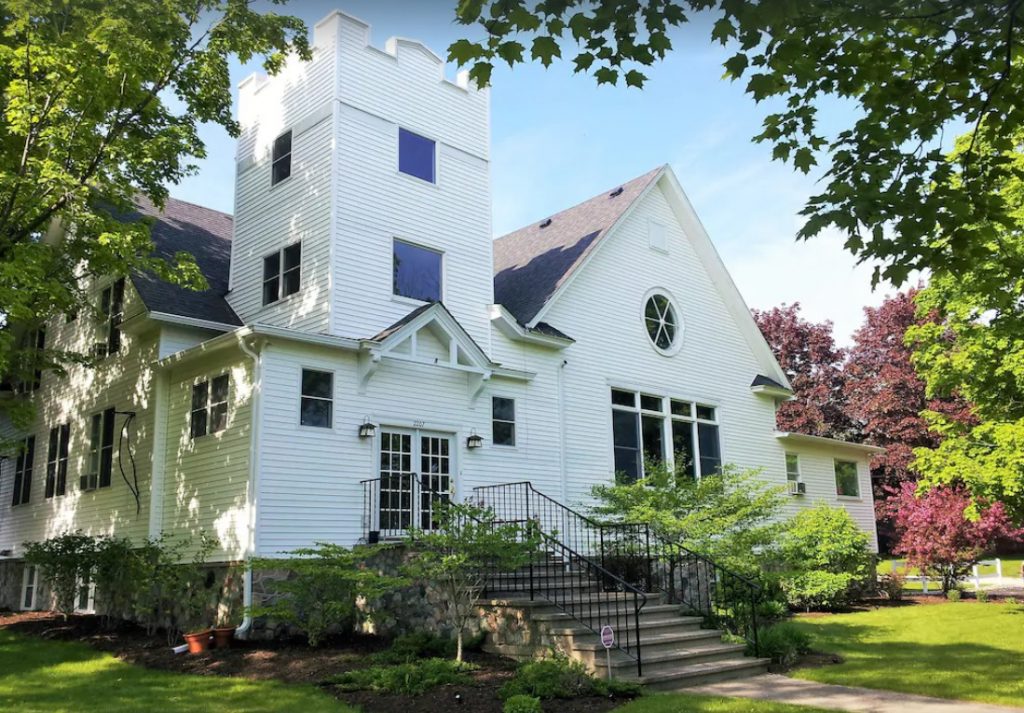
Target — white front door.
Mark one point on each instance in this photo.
(415, 475)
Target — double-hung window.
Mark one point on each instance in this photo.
(29, 582)
(417, 156)
(503, 421)
(847, 480)
(57, 460)
(112, 313)
(316, 406)
(33, 344)
(282, 272)
(209, 406)
(23, 471)
(101, 451)
(281, 158)
(649, 427)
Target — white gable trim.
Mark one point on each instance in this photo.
(711, 260)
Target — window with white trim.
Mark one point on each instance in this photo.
(657, 235)
(57, 460)
(29, 584)
(282, 273)
(417, 156)
(661, 319)
(417, 272)
(101, 451)
(793, 467)
(503, 421)
(847, 479)
(23, 471)
(209, 406)
(648, 427)
(111, 316)
(281, 158)
(86, 600)
(317, 399)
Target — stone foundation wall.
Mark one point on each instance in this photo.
(12, 573)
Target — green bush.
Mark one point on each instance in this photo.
(522, 704)
(954, 595)
(417, 645)
(561, 677)
(410, 678)
(892, 586)
(825, 559)
(321, 592)
(118, 575)
(66, 561)
(981, 595)
(782, 643)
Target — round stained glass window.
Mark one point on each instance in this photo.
(662, 322)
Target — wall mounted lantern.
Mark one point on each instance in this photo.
(474, 441)
(367, 429)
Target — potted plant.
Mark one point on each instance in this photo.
(224, 629)
(194, 602)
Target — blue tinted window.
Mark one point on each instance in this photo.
(417, 272)
(415, 155)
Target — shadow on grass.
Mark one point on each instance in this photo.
(57, 676)
(948, 657)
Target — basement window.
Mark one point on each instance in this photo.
(281, 160)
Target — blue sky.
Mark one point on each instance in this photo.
(558, 138)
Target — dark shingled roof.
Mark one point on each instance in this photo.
(762, 380)
(533, 262)
(206, 234)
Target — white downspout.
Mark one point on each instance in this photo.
(245, 627)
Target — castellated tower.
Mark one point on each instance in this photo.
(362, 189)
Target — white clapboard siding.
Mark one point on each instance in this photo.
(121, 381)
(206, 479)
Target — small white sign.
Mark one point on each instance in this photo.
(607, 636)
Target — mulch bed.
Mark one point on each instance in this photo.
(292, 662)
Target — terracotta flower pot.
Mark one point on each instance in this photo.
(223, 636)
(198, 641)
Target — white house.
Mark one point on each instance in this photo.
(361, 322)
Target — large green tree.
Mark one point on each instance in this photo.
(974, 346)
(909, 70)
(100, 102)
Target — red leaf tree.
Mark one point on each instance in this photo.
(885, 396)
(808, 354)
(942, 532)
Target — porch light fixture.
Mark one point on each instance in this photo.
(474, 441)
(367, 429)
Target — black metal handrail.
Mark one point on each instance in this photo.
(575, 584)
(640, 556)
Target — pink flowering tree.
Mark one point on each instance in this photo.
(943, 532)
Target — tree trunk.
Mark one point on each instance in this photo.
(458, 646)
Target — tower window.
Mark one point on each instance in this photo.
(416, 155)
(281, 159)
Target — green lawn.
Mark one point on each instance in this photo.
(680, 703)
(963, 650)
(50, 677)
(1011, 567)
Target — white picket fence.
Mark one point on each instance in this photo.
(977, 578)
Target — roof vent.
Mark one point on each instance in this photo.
(616, 193)
(545, 223)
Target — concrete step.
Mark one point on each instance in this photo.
(668, 661)
(660, 643)
(657, 623)
(699, 674)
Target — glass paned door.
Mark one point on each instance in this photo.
(410, 497)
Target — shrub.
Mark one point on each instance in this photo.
(522, 704)
(953, 595)
(561, 677)
(417, 645)
(66, 562)
(119, 577)
(825, 558)
(981, 595)
(173, 589)
(410, 678)
(782, 643)
(455, 557)
(892, 586)
(321, 592)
